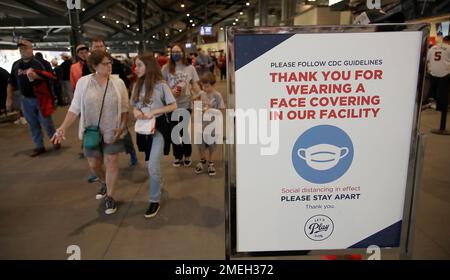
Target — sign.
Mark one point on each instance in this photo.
(345, 107)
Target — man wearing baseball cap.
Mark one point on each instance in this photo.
(80, 68)
(65, 81)
(33, 77)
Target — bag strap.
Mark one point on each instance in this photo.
(103, 102)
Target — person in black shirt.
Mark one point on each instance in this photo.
(65, 78)
(57, 88)
(4, 77)
(24, 77)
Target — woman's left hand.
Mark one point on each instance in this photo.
(118, 132)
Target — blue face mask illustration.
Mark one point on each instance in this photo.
(177, 56)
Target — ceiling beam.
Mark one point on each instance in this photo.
(42, 21)
(179, 36)
(96, 9)
(39, 8)
(114, 27)
(228, 15)
(156, 29)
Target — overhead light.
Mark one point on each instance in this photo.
(188, 15)
(83, 9)
(221, 28)
(167, 35)
(237, 19)
(68, 48)
(103, 16)
(137, 29)
(193, 25)
(128, 26)
(248, 3)
(241, 13)
(117, 21)
(154, 36)
(234, 23)
(181, 30)
(191, 21)
(182, 5)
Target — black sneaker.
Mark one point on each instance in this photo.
(101, 192)
(152, 210)
(110, 205)
(38, 151)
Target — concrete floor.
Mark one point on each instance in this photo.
(46, 205)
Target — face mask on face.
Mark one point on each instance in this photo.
(177, 56)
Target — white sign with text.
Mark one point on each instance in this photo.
(345, 107)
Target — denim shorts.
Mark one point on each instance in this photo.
(108, 149)
(203, 147)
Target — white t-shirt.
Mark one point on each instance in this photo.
(184, 76)
(161, 97)
(439, 60)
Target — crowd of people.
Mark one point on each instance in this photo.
(105, 95)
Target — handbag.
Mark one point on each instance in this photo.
(92, 135)
(145, 127)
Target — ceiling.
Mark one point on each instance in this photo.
(47, 22)
(164, 21)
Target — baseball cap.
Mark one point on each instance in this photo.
(81, 47)
(24, 43)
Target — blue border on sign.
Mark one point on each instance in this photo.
(253, 46)
(388, 237)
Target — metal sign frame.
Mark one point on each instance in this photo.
(416, 147)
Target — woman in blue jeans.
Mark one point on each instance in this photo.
(152, 98)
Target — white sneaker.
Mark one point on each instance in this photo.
(21, 121)
(211, 169)
(198, 168)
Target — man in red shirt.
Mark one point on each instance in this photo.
(161, 58)
(80, 68)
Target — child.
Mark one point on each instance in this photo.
(211, 99)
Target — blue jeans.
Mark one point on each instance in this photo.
(32, 114)
(154, 166)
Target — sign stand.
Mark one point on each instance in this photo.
(416, 148)
(407, 253)
(442, 129)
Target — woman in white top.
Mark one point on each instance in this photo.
(90, 93)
